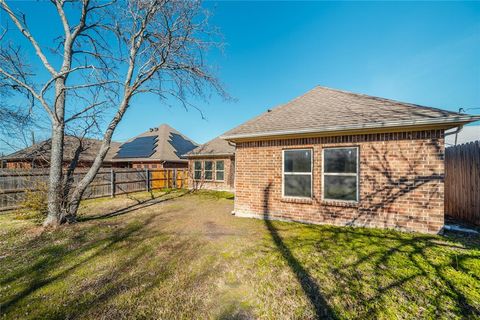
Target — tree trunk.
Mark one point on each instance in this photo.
(77, 194)
(55, 182)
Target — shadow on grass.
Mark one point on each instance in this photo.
(307, 282)
(374, 268)
(418, 252)
(39, 274)
(60, 272)
(141, 204)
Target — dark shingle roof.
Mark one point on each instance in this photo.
(325, 110)
(215, 147)
(170, 145)
(41, 150)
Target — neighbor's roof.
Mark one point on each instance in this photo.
(324, 110)
(170, 145)
(467, 134)
(215, 147)
(41, 150)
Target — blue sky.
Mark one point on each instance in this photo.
(426, 53)
(421, 52)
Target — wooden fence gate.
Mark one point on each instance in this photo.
(172, 178)
(462, 182)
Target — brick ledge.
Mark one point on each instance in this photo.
(297, 200)
(345, 204)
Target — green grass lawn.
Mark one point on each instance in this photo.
(186, 257)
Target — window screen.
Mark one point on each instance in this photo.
(197, 166)
(208, 170)
(297, 173)
(340, 174)
(219, 170)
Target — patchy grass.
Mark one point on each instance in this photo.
(215, 194)
(176, 255)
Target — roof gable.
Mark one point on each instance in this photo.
(170, 145)
(214, 147)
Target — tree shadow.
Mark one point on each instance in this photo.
(392, 177)
(416, 252)
(135, 272)
(141, 204)
(371, 269)
(307, 282)
(38, 274)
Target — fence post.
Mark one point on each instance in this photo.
(147, 180)
(175, 178)
(112, 183)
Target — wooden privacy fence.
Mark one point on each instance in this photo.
(462, 182)
(108, 183)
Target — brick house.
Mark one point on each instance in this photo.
(38, 155)
(162, 147)
(212, 166)
(157, 148)
(335, 157)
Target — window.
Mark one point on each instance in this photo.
(208, 170)
(219, 170)
(197, 169)
(297, 173)
(340, 174)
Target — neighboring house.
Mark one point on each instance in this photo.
(335, 157)
(212, 166)
(38, 155)
(465, 135)
(157, 148)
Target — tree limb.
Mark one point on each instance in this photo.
(24, 30)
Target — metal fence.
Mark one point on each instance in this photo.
(14, 184)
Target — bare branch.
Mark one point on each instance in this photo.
(30, 90)
(90, 107)
(24, 30)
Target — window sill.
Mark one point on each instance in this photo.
(339, 203)
(298, 200)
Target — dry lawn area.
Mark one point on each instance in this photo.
(184, 256)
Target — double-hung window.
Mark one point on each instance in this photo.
(208, 170)
(340, 174)
(197, 170)
(297, 173)
(219, 170)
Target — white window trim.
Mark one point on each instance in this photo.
(297, 173)
(194, 170)
(213, 171)
(220, 170)
(357, 175)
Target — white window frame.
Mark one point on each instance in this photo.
(201, 170)
(219, 170)
(204, 170)
(357, 174)
(297, 173)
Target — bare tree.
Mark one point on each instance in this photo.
(113, 52)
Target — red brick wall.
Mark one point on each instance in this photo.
(19, 165)
(401, 181)
(226, 185)
(159, 165)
